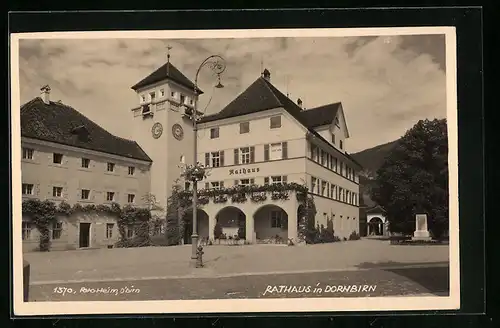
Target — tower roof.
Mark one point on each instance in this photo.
(166, 72)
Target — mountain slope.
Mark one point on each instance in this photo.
(372, 158)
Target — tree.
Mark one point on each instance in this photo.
(414, 179)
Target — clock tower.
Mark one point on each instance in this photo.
(163, 127)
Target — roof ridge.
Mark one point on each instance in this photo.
(271, 90)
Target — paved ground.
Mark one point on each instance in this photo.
(432, 280)
(173, 262)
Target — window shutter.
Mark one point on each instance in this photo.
(266, 180)
(266, 152)
(252, 181)
(207, 159)
(284, 179)
(221, 184)
(221, 154)
(236, 182)
(207, 186)
(236, 157)
(284, 150)
(252, 154)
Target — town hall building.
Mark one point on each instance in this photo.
(260, 138)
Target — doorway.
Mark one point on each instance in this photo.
(84, 235)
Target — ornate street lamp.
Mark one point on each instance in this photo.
(218, 65)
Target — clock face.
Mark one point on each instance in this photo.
(157, 130)
(177, 131)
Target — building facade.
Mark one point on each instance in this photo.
(67, 157)
(261, 138)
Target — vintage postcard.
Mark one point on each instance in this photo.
(300, 170)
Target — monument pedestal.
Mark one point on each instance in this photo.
(421, 232)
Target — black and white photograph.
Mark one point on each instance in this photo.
(234, 171)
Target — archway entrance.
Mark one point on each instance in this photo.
(375, 227)
(232, 221)
(202, 220)
(271, 223)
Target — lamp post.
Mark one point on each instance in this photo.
(218, 65)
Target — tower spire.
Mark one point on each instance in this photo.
(261, 65)
(169, 47)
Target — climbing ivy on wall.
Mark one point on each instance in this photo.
(44, 213)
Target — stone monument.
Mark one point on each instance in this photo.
(421, 230)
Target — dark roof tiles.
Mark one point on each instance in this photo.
(320, 116)
(167, 71)
(261, 95)
(59, 123)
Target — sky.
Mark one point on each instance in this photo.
(386, 84)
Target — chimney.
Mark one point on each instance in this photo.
(266, 75)
(299, 103)
(45, 94)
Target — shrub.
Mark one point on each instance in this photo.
(354, 236)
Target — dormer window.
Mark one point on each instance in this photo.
(81, 132)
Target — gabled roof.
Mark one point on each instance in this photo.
(59, 123)
(377, 209)
(319, 116)
(261, 95)
(166, 72)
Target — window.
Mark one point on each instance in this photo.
(162, 93)
(131, 170)
(85, 163)
(276, 151)
(244, 127)
(26, 230)
(27, 189)
(130, 232)
(191, 101)
(276, 217)
(183, 99)
(109, 230)
(214, 133)
(313, 184)
(215, 185)
(341, 144)
(332, 191)
(275, 122)
(334, 164)
(28, 153)
(337, 122)
(111, 167)
(172, 94)
(347, 197)
(130, 198)
(187, 185)
(85, 194)
(57, 192)
(152, 96)
(110, 196)
(245, 155)
(57, 158)
(333, 139)
(143, 98)
(276, 179)
(56, 230)
(323, 188)
(323, 157)
(245, 182)
(215, 159)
